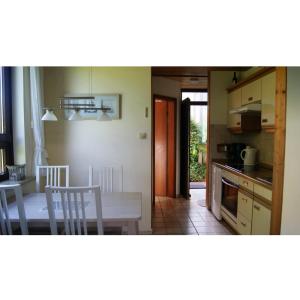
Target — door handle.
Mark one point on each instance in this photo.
(256, 207)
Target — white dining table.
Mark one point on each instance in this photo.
(123, 209)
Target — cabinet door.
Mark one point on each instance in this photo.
(251, 92)
(261, 219)
(245, 204)
(268, 90)
(234, 101)
(243, 224)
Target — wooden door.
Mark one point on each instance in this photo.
(184, 148)
(165, 147)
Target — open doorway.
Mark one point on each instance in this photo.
(194, 115)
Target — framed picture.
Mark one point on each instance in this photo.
(112, 101)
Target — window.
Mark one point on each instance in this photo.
(6, 139)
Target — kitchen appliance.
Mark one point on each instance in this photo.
(229, 200)
(234, 155)
(247, 109)
(248, 155)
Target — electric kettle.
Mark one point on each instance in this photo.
(248, 155)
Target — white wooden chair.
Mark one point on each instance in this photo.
(110, 178)
(73, 208)
(53, 176)
(6, 226)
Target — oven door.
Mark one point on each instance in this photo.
(229, 197)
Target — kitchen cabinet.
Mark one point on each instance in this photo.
(234, 101)
(244, 214)
(261, 219)
(268, 91)
(243, 225)
(245, 204)
(251, 92)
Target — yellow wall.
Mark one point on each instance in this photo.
(82, 143)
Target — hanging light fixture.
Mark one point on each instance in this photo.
(103, 116)
(75, 116)
(49, 115)
(77, 107)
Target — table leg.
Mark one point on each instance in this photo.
(133, 227)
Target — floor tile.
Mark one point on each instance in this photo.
(181, 216)
(189, 231)
(174, 230)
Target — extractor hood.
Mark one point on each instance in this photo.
(247, 109)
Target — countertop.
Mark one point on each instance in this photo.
(255, 175)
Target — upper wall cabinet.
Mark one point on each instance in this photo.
(268, 91)
(251, 92)
(234, 101)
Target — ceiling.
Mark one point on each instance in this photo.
(191, 77)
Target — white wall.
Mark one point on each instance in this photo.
(171, 88)
(91, 142)
(290, 223)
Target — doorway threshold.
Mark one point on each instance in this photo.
(198, 185)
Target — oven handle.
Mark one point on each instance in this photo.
(230, 184)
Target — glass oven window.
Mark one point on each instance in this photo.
(229, 196)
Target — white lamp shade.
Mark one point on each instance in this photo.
(103, 116)
(75, 116)
(49, 116)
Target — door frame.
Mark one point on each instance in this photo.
(195, 90)
(166, 98)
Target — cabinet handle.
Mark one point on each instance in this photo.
(256, 207)
(244, 224)
(238, 123)
(245, 183)
(264, 120)
(250, 98)
(245, 200)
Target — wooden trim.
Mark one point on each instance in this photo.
(263, 201)
(208, 147)
(279, 148)
(268, 128)
(186, 90)
(165, 98)
(235, 130)
(251, 78)
(246, 192)
(266, 203)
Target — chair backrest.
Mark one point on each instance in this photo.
(53, 176)
(73, 207)
(5, 221)
(110, 178)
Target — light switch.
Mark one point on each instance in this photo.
(142, 135)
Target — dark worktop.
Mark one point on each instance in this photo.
(256, 175)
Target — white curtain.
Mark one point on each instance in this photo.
(37, 101)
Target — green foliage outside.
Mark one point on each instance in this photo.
(197, 170)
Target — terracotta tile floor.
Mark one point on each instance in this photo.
(180, 216)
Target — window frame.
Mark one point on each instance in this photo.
(6, 139)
